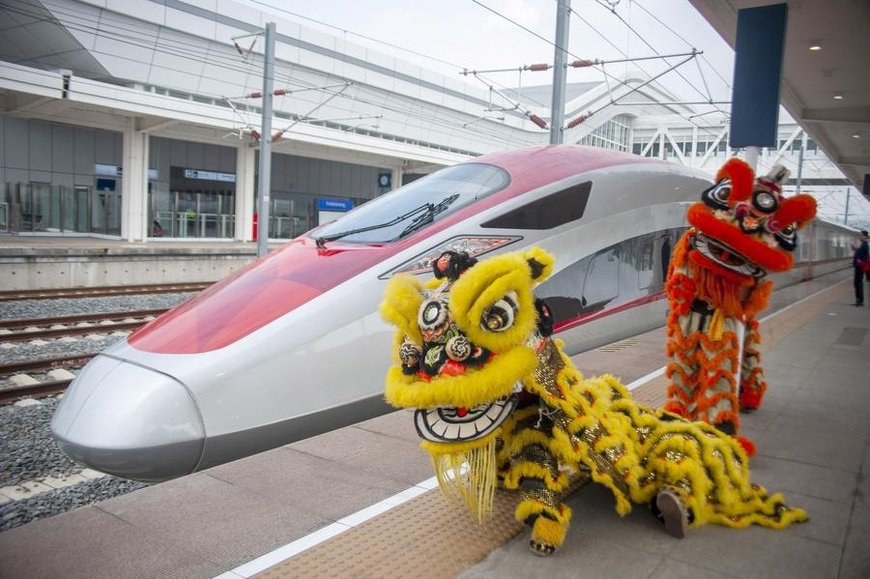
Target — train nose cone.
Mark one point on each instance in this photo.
(130, 421)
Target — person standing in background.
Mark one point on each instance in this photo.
(860, 264)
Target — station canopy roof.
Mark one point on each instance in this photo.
(814, 79)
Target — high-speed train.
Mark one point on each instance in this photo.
(292, 345)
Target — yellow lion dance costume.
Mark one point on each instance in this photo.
(741, 229)
(497, 400)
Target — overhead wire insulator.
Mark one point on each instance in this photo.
(255, 95)
(538, 121)
(277, 135)
(255, 134)
(577, 121)
(583, 63)
(537, 67)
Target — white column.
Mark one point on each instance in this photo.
(134, 186)
(396, 177)
(245, 192)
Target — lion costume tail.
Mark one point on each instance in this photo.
(637, 452)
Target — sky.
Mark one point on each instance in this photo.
(449, 36)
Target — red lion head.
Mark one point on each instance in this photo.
(745, 225)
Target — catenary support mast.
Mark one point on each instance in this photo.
(265, 170)
(560, 59)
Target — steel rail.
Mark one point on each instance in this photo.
(21, 324)
(86, 292)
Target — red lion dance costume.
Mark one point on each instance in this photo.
(742, 229)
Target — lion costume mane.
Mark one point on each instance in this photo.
(742, 229)
(498, 402)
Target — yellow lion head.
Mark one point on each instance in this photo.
(465, 341)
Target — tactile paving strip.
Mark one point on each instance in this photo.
(428, 536)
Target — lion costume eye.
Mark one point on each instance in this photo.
(764, 202)
(500, 316)
(433, 314)
(716, 197)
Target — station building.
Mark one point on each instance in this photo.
(141, 120)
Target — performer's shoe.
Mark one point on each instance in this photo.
(672, 513)
(547, 536)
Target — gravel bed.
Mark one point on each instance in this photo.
(27, 450)
(29, 309)
(52, 503)
(28, 453)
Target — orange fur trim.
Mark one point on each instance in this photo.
(742, 178)
(722, 292)
(757, 301)
(799, 209)
(747, 445)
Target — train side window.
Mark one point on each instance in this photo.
(551, 211)
(647, 263)
(602, 281)
(562, 292)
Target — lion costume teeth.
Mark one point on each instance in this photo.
(741, 229)
(521, 414)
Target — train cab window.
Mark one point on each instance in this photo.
(551, 211)
(401, 212)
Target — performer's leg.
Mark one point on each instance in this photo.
(540, 506)
(752, 383)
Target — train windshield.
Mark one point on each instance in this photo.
(416, 205)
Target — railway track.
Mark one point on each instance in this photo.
(76, 325)
(37, 378)
(87, 292)
(44, 367)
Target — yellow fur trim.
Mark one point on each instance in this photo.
(529, 507)
(402, 299)
(543, 258)
(467, 472)
(471, 295)
(495, 380)
(549, 532)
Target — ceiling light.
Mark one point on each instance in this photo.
(856, 136)
(838, 96)
(814, 46)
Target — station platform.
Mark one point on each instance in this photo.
(361, 501)
(29, 262)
